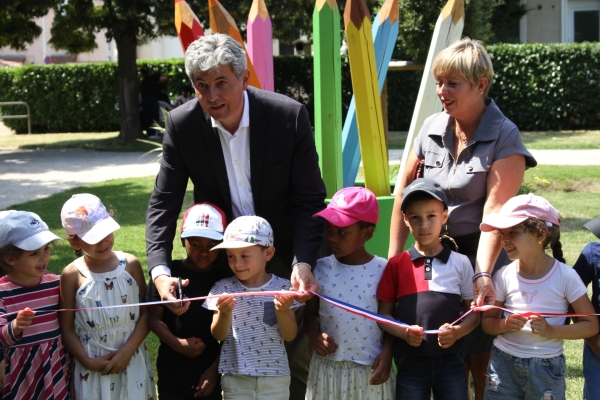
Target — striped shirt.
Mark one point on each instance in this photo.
(43, 296)
(254, 345)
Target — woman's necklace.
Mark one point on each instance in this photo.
(462, 135)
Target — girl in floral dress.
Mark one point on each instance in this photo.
(111, 360)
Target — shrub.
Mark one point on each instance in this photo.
(548, 86)
(538, 86)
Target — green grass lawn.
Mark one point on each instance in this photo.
(108, 141)
(573, 190)
(542, 140)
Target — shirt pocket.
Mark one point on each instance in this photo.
(269, 316)
(435, 160)
(477, 164)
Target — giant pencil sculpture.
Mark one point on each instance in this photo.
(187, 24)
(260, 43)
(222, 22)
(385, 32)
(357, 21)
(448, 29)
(328, 92)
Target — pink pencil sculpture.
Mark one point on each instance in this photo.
(259, 34)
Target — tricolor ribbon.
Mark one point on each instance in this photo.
(343, 305)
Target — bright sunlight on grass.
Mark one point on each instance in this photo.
(545, 140)
(573, 190)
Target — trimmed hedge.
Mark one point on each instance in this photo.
(548, 86)
(538, 86)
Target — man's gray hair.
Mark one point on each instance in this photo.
(208, 52)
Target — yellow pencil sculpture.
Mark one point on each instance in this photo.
(371, 133)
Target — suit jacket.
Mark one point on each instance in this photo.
(287, 188)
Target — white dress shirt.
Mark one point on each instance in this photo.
(236, 152)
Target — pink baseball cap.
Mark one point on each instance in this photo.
(519, 209)
(350, 205)
(85, 216)
(203, 220)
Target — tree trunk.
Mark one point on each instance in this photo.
(129, 103)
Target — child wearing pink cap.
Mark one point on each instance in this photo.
(527, 360)
(188, 356)
(352, 356)
(111, 360)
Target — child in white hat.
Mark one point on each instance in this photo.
(111, 360)
(37, 365)
(188, 356)
(252, 329)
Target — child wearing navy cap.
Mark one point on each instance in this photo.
(588, 268)
(428, 286)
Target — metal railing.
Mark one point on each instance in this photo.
(15, 103)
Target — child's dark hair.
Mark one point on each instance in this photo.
(12, 251)
(365, 225)
(78, 252)
(419, 196)
(539, 228)
(8, 251)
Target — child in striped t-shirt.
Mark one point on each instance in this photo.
(37, 365)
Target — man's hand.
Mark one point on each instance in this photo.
(303, 280)
(484, 292)
(167, 288)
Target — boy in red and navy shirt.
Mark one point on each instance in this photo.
(428, 287)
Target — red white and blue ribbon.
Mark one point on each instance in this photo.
(343, 305)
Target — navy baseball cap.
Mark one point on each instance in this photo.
(424, 185)
(594, 226)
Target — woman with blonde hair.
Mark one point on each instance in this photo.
(473, 151)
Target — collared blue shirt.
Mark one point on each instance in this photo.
(465, 180)
(588, 268)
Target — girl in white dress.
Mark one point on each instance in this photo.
(352, 358)
(111, 360)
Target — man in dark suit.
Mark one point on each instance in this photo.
(248, 151)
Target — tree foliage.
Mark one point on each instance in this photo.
(505, 20)
(485, 20)
(290, 18)
(17, 26)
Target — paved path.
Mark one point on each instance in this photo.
(32, 174)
